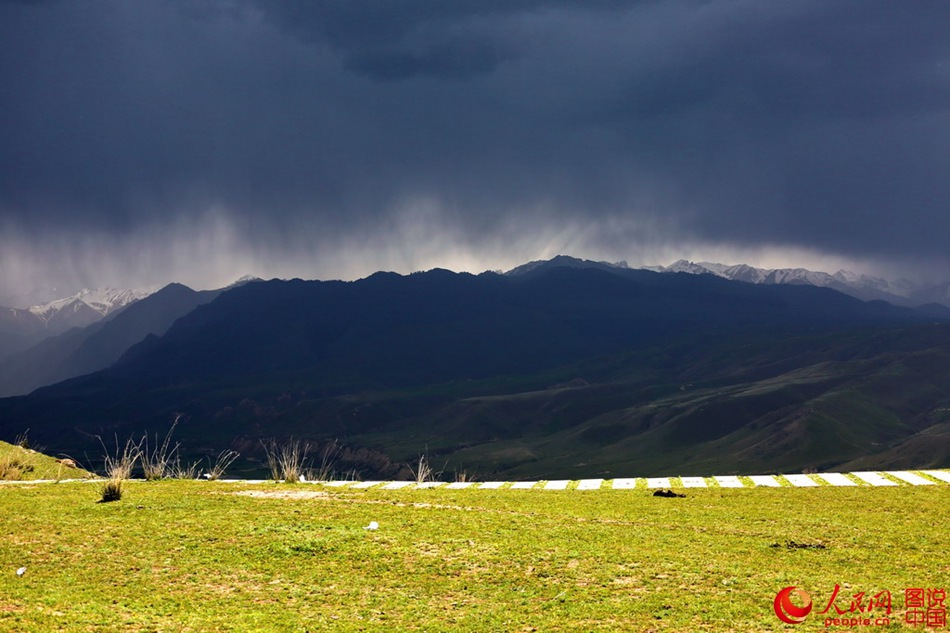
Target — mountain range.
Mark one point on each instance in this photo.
(901, 292)
(864, 287)
(21, 328)
(554, 369)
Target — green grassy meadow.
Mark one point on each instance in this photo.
(218, 556)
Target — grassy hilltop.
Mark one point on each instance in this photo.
(18, 463)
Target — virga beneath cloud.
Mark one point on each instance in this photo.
(157, 141)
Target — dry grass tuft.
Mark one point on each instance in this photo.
(286, 461)
(118, 468)
(160, 461)
(222, 461)
(14, 467)
(423, 472)
(326, 468)
(111, 491)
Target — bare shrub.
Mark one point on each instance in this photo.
(222, 461)
(286, 461)
(184, 471)
(463, 476)
(157, 461)
(23, 441)
(325, 468)
(118, 468)
(423, 471)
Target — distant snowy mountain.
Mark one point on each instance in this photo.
(867, 288)
(864, 287)
(85, 307)
(55, 345)
(21, 327)
(83, 350)
(102, 301)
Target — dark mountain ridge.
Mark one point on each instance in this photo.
(470, 366)
(393, 331)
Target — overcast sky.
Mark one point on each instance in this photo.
(149, 141)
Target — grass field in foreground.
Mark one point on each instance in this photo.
(212, 556)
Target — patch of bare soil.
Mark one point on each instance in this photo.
(284, 494)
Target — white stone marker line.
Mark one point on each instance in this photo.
(624, 484)
(942, 475)
(728, 481)
(367, 484)
(801, 481)
(590, 484)
(874, 479)
(724, 481)
(837, 479)
(910, 478)
(693, 482)
(396, 485)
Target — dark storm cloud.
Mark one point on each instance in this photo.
(394, 40)
(292, 132)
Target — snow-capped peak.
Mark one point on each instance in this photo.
(246, 279)
(684, 266)
(101, 301)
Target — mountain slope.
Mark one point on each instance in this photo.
(19, 329)
(878, 397)
(83, 350)
(586, 369)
